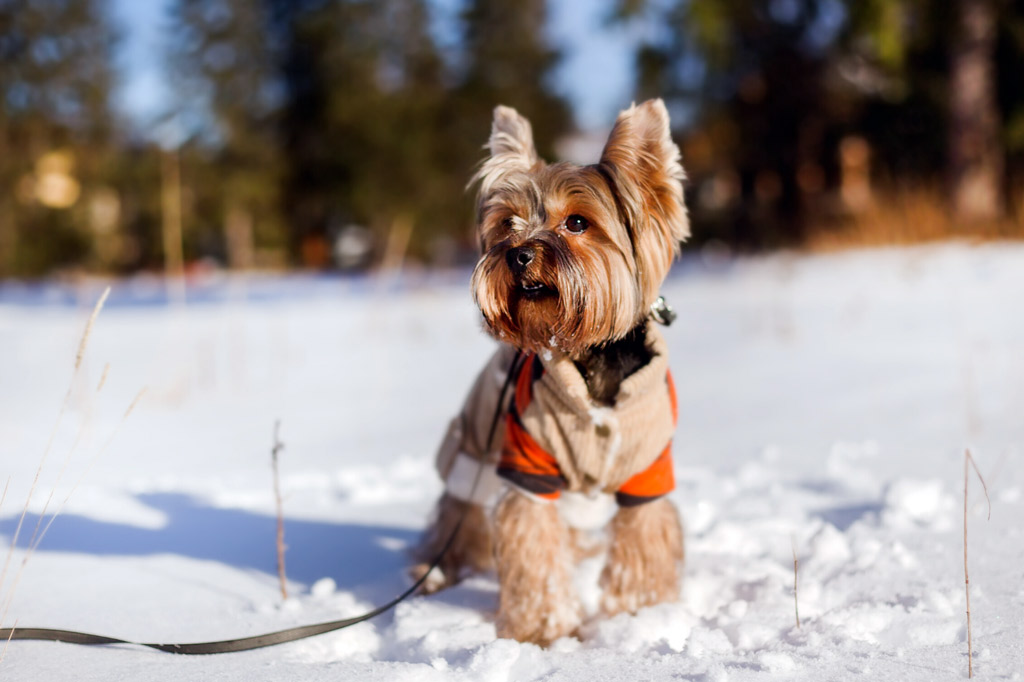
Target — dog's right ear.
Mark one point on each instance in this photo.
(511, 147)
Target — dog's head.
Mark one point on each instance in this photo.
(573, 256)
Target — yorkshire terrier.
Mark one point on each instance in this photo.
(573, 258)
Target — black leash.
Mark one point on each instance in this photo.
(271, 638)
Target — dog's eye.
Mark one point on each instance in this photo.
(576, 224)
(508, 223)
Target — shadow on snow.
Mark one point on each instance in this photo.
(352, 554)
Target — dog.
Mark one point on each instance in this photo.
(572, 261)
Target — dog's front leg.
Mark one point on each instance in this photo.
(644, 557)
(536, 602)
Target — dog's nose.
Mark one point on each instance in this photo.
(519, 258)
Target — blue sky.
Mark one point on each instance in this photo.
(596, 73)
(142, 93)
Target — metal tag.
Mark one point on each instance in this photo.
(662, 312)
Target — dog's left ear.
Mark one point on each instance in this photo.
(644, 165)
(511, 147)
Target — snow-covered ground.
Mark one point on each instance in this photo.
(825, 404)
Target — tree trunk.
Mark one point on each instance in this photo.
(8, 237)
(975, 150)
(8, 228)
(238, 237)
(174, 259)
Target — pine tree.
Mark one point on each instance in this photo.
(366, 95)
(507, 61)
(226, 58)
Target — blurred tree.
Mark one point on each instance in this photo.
(383, 133)
(754, 71)
(138, 176)
(791, 94)
(364, 86)
(55, 133)
(1010, 91)
(950, 49)
(506, 60)
(893, 54)
(975, 144)
(225, 57)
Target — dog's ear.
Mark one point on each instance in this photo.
(643, 164)
(511, 147)
(512, 137)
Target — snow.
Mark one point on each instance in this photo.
(825, 403)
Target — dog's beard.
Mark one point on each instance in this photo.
(570, 297)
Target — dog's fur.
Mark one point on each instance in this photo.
(573, 258)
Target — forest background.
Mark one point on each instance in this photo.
(339, 134)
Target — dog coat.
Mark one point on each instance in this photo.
(554, 438)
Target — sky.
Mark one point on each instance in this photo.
(595, 75)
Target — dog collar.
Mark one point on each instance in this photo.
(662, 312)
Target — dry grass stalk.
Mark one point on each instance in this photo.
(39, 538)
(967, 581)
(7, 643)
(131, 408)
(4, 496)
(60, 476)
(96, 457)
(36, 535)
(82, 345)
(281, 547)
(103, 377)
(796, 604)
(84, 342)
(906, 216)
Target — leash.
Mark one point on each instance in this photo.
(281, 636)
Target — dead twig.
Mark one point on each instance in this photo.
(967, 581)
(281, 547)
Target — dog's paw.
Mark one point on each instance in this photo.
(644, 558)
(435, 578)
(459, 539)
(554, 621)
